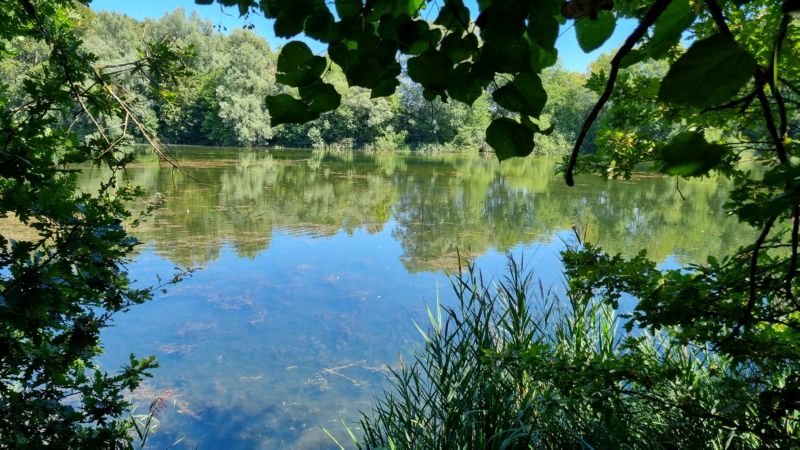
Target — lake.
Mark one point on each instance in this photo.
(313, 267)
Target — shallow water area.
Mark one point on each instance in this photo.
(314, 265)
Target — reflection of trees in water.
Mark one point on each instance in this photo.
(442, 204)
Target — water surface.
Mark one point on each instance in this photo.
(314, 265)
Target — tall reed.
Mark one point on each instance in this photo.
(512, 366)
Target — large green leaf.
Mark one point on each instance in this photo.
(592, 33)
(453, 14)
(463, 86)
(384, 88)
(348, 9)
(709, 73)
(542, 59)
(689, 155)
(509, 138)
(321, 26)
(297, 66)
(321, 97)
(459, 48)
(430, 69)
(542, 22)
(678, 16)
(283, 108)
(524, 95)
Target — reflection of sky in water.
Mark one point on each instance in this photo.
(268, 343)
(263, 352)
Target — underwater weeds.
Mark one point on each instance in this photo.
(511, 365)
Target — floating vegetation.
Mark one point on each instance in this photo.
(194, 328)
(259, 376)
(175, 348)
(232, 303)
(260, 318)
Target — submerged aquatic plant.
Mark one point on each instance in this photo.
(511, 365)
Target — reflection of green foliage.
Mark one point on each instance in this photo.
(441, 203)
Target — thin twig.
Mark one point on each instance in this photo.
(790, 274)
(719, 18)
(789, 85)
(752, 295)
(678, 188)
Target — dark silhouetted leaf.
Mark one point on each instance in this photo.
(430, 69)
(321, 26)
(463, 86)
(689, 155)
(709, 73)
(453, 14)
(459, 48)
(347, 9)
(384, 88)
(678, 16)
(543, 29)
(541, 59)
(283, 108)
(321, 97)
(509, 138)
(635, 56)
(297, 66)
(592, 33)
(524, 95)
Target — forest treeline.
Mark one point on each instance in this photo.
(220, 98)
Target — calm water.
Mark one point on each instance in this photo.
(313, 267)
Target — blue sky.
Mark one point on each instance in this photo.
(571, 55)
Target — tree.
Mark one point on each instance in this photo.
(568, 101)
(243, 85)
(450, 124)
(730, 94)
(62, 264)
